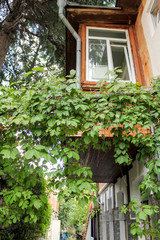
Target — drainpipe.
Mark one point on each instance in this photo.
(61, 4)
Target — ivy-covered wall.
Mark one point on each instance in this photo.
(42, 113)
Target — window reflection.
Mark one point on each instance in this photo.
(107, 49)
(98, 61)
(119, 60)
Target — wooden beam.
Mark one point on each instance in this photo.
(80, 11)
(136, 56)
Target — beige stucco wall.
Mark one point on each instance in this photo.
(121, 185)
(148, 42)
(88, 233)
(53, 232)
(136, 175)
(152, 36)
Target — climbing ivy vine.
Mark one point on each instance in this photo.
(43, 115)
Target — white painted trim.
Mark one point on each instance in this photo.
(87, 55)
(128, 54)
(128, 65)
(131, 59)
(111, 39)
(110, 60)
(103, 188)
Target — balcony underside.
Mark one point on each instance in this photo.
(103, 164)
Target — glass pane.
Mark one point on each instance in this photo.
(107, 33)
(119, 60)
(98, 61)
(116, 43)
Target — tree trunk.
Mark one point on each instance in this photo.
(5, 40)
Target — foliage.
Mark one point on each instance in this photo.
(73, 215)
(144, 225)
(43, 116)
(24, 211)
(37, 35)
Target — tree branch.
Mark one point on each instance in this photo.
(37, 21)
(8, 6)
(29, 32)
(11, 25)
(35, 56)
(15, 15)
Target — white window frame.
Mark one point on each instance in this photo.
(157, 17)
(129, 59)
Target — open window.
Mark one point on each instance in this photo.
(107, 49)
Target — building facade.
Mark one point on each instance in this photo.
(126, 36)
(113, 224)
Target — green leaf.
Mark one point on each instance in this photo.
(158, 162)
(20, 202)
(1, 172)
(14, 220)
(87, 139)
(118, 151)
(142, 215)
(87, 125)
(37, 203)
(76, 156)
(28, 73)
(85, 185)
(83, 201)
(18, 194)
(35, 219)
(144, 97)
(72, 73)
(38, 69)
(148, 211)
(156, 170)
(133, 231)
(14, 153)
(26, 219)
(6, 153)
(37, 154)
(150, 165)
(51, 122)
(47, 157)
(29, 154)
(39, 147)
(122, 145)
(121, 159)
